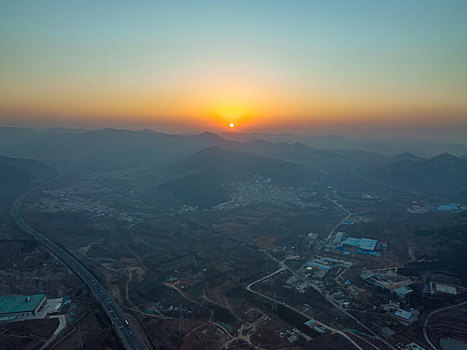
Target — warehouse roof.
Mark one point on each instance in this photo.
(445, 289)
(403, 290)
(368, 244)
(318, 265)
(406, 315)
(351, 241)
(362, 243)
(19, 303)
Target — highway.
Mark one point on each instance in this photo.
(124, 329)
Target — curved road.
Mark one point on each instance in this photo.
(349, 215)
(248, 288)
(284, 267)
(124, 329)
(425, 324)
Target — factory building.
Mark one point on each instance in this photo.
(406, 316)
(399, 288)
(402, 292)
(449, 207)
(315, 326)
(318, 265)
(361, 243)
(442, 289)
(319, 269)
(18, 306)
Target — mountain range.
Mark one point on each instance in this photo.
(206, 163)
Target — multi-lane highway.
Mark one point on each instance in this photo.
(124, 329)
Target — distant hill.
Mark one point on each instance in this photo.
(388, 146)
(11, 136)
(110, 148)
(199, 190)
(231, 165)
(444, 175)
(209, 158)
(16, 172)
(15, 176)
(117, 147)
(312, 157)
(203, 178)
(407, 156)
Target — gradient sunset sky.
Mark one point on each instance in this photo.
(272, 66)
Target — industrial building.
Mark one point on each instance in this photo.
(315, 326)
(442, 289)
(406, 316)
(449, 207)
(391, 306)
(293, 339)
(318, 265)
(19, 306)
(399, 288)
(403, 291)
(361, 243)
(319, 269)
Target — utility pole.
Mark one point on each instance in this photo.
(80, 345)
(274, 303)
(181, 321)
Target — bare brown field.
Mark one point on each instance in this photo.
(266, 242)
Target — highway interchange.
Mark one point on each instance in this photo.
(124, 329)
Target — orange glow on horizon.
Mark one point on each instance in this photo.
(250, 106)
(196, 68)
(278, 116)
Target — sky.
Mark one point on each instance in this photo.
(368, 67)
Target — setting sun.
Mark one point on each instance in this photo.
(205, 144)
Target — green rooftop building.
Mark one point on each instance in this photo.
(14, 306)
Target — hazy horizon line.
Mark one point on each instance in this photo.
(349, 133)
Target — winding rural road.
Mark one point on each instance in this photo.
(60, 327)
(348, 216)
(284, 267)
(248, 288)
(124, 329)
(425, 324)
